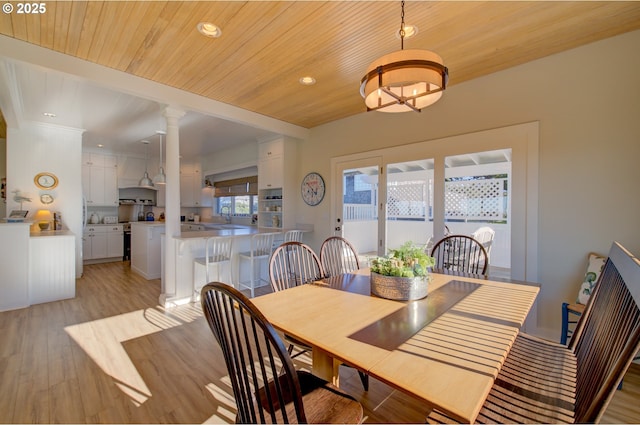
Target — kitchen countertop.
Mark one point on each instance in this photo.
(44, 233)
(237, 231)
(147, 223)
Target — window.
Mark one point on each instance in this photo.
(244, 205)
(237, 197)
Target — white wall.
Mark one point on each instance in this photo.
(587, 102)
(3, 173)
(241, 156)
(37, 148)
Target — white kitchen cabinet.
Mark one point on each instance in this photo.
(271, 164)
(99, 179)
(115, 241)
(190, 186)
(277, 185)
(52, 266)
(146, 249)
(104, 242)
(192, 227)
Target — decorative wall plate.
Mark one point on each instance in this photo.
(46, 180)
(46, 198)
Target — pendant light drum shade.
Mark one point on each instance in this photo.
(405, 80)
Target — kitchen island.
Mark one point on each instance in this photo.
(147, 239)
(191, 245)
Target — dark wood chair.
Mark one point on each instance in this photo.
(460, 253)
(292, 264)
(254, 353)
(546, 382)
(338, 256)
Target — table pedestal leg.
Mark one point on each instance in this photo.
(325, 366)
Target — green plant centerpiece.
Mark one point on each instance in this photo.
(403, 274)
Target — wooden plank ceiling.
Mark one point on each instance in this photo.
(266, 47)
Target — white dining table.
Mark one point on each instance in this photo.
(445, 349)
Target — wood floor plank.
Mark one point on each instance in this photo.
(113, 355)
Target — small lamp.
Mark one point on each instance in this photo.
(43, 218)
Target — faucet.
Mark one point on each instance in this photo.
(227, 218)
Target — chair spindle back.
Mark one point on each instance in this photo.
(460, 253)
(338, 256)
(254, 355)
(607, 335)
(293, 264)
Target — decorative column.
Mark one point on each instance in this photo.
(172, 203)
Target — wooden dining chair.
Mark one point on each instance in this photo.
(293, 264)
(266, 386)
(545, 382)
(338, 256)
(460, 253)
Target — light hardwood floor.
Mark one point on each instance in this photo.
(112, 355)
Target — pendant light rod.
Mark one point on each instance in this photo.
(145, 181)
(402, 32)
(161, 177)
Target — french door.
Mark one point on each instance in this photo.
(423, 190)
(357, 209)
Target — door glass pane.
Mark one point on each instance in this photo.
(359, 212)
(409, 203)
(478, 194)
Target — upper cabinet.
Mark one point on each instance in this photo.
(271, 157)
(190, 185)
(192, 190)
(276, 183)
(99, 179)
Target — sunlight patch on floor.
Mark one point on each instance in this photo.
(225, 403)
(102, 341)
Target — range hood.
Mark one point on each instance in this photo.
(136, 195)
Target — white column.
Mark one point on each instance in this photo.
(172, 203)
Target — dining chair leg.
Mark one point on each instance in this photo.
(365, 380)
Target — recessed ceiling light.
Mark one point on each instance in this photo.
(208, 29)
(409, 31)
(100, 145)
(49, 114)
(307, 81)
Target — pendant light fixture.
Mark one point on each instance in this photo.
(405, 80)
(145, 181)
(161, 177)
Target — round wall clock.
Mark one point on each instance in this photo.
(312, 189)
(46, 180)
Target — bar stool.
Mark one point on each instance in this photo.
(217, 252)
(293, 236)
(261, 245)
